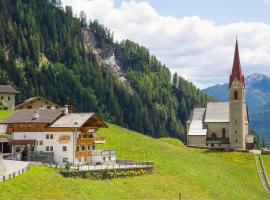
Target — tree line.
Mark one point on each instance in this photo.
(42, 52)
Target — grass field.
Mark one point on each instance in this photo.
(193, 173)
(4, 114)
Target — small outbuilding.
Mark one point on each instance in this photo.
(7, 97)
(249, 142)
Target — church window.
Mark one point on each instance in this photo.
(236, 140)
(235, 121)
(235, 132)
(213, 135)
(235, 95)
(223, 132)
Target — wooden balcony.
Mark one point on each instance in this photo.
(10, 130)
(79, 154)
(87, 141)
(87, 130)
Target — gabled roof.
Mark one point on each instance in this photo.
(236, 70)
(7, 89)
(27, 116)
(196, 125)
(217, 112)
(76, 120)
(32, 99)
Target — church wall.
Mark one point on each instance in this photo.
(198, 140)
(216, 127)
(188, 125)
(238, 118)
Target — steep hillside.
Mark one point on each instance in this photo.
(46, 51)
(195, 174)
(257, 97)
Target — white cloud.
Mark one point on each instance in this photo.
(267, 2)
(197, 49)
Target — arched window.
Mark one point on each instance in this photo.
(235, 95)
(223, 132)
(213, 135)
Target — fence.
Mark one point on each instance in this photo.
(16, 173)
(118, 165)
(116, 170)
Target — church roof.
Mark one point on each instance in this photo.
(196, 125)
(217, 112)
(236, 70)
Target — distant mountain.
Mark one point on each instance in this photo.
(257, 97)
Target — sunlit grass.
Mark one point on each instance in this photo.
(195, 173)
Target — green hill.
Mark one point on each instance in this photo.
(46, 51)
(196, 174)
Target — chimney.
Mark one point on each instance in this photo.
(36, 115)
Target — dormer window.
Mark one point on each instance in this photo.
(235, 95)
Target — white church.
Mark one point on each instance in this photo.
(223, 124)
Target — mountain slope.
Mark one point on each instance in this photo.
(46, 51)
(257, 97)
(196, 174)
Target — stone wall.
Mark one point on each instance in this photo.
(103, 174)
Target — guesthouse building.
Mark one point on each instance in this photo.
(57, 136)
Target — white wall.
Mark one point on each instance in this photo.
(59, 154)
(198, 140)
(9, 103)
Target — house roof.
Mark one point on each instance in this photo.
(7, 89)
(35, 99)
(196, 125)
(217, 112)
(27, 116)
(74, 120)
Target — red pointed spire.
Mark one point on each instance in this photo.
(236, 70)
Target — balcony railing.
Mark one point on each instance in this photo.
(87, 141)
(218, 140)
(103, 152)
(87, 130)
(79, 154)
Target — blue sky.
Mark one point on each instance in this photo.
(220, 11)
(194, 38)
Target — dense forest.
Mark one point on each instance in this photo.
(42, 52)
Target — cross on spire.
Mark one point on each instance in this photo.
(236, 70)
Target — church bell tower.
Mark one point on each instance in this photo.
(238, 115)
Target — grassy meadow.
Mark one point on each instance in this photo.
(4, 114)
(193, 173)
